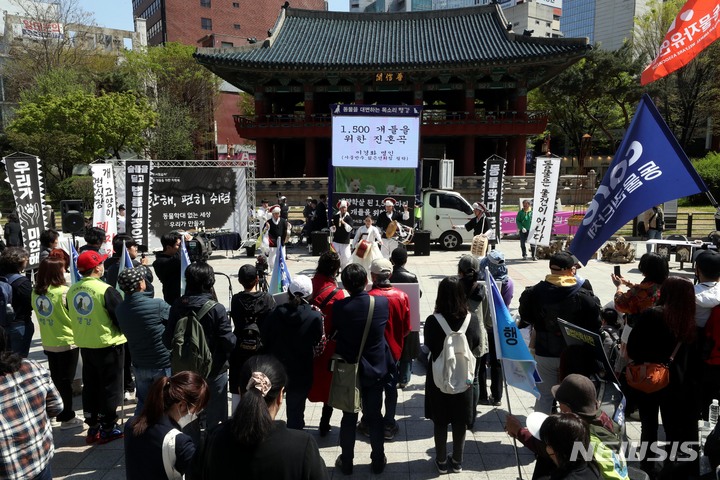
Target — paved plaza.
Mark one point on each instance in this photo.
(489, 452)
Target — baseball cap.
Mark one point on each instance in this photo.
(562, 260)
(578, 392)
(534, 423)
(468, 264)
(381, 265)
(301, 285)
(130, 278)
(496, 257)
(89, 259)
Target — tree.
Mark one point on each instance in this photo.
(169, 73)
(172, 137)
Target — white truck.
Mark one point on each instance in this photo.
(444, 215)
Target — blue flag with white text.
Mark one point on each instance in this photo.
(280, 279)
(649, 168)
(74, 273)
(519, 366)
(184, 262)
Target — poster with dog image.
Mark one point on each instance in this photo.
(375, 181)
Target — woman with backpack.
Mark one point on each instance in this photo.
(456, 409)
(155, 447)
(48, 302)
(254, 444)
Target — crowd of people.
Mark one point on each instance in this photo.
(268, 351)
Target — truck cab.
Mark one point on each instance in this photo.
(444, 215)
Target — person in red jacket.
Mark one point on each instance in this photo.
(397, 328)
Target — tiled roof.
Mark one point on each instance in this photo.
(317, 40)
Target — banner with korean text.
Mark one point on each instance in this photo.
(137, 194)
(547, 172)
(649, 168)
(105, 205)
(696, 26)
(24, 174)
(492, 193)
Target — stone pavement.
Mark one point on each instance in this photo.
(488, 450)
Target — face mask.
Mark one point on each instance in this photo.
(186, 419)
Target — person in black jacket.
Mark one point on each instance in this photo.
(112, 264)
(167, 266)
(558, 296)
(48, 241)
(389, 215)
(411, 346)
(291, 333)
(253, 444)
(277, 230)
(13, 262)
(13, 232)
(199, 280)
(341, 226)
(248, 310)
(349, 320)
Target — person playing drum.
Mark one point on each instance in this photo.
(389, 216)
(368, 241)
(341, 227)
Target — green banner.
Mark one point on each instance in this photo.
(375, 181)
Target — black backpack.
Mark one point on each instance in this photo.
(249, 339)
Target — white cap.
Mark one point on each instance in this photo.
(301, 285)
(389, 203)
(275, 209)
(534, 423)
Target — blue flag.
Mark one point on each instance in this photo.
(184, 262)
(518, 364)
(649, 168)
(74, 274)
(280, 279)
(126, 262)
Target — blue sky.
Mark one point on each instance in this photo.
(118, 13)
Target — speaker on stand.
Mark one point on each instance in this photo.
(72, 218)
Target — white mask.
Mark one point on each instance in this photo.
(186, 419)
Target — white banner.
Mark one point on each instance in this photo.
(550, 3)
(547, 172)
(104, 208)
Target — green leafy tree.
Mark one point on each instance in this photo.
(171, 139)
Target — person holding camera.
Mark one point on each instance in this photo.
(112, 264)
(655, 222)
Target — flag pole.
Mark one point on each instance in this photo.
(496, 339)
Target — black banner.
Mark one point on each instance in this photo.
(492, 191)
(24, 175)
(137, 193)
(192, 198)
(360, 205)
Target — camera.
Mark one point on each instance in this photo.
(199, 248)
(261, 265)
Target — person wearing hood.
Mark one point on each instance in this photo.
(142, 320)
(558, 296)
(199, 281)
(292, 333)
(248, 310)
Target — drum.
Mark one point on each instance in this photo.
(404, 234)
(391, 229)
(479, 245)
(363, 248)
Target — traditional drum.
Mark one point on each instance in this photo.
(391, 229)
(363, 248)
(479, 245)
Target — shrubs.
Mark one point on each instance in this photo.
(709, 170)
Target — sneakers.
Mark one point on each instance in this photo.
(456, 467)
(363, 428)
(74, 422)
(378, 467)
(93, 434)
(390, 431)
(442, 467)
(343, 467)
(109, 435)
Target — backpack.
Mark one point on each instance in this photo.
(248, 338)
(454, 369)
(611, 342)
(190, 350)
(7, 312)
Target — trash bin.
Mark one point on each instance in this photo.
(319, 241)
(250, 250)
(421, 242)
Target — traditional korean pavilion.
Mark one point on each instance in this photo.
(465, 66)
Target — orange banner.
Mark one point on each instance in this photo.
(696, 26)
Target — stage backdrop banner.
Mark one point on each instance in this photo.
(104, 208)
(385, 136)
(372, 181)
(24, 174)
(198, 198)
(492, 192)
(547, 172)
(137, 193)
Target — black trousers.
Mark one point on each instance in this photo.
(496, 381)
(372, 416)
(62, 367)
(102, 384)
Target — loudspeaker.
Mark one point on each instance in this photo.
(72, 218)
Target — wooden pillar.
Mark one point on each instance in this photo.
(310, 161)
(359, 94)
(468, 164)
(260, 103)
(418, 94)
(520, 142)
(264, 159)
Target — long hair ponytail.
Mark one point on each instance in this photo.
(252, 421)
